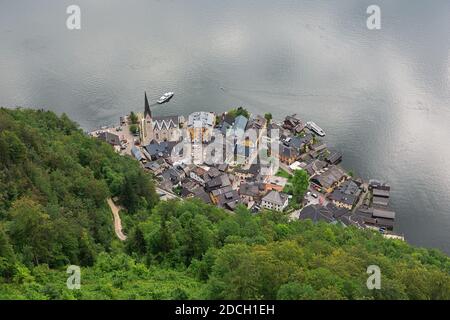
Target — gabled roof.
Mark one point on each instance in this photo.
(249, 189)
(334, 157)
(110, 138)
(240, 123)
(165, 123)
(137, 153)
(330, 177)
(316, 213)
(276, 198)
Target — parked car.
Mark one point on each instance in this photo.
(315, 195)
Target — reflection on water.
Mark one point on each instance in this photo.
(382, 96)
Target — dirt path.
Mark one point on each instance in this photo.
(117, 222)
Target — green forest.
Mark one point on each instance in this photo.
(54, 183)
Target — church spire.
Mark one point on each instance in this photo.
(147, 107)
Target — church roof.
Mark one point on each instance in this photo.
(165, 123)
(147, 107)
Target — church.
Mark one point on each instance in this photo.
(160, 129)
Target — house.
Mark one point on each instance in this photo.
(224, 127)
(376, 184)
(315, 167)
(166, 128)
(240, 123)
(380, 193)
(156, 150)
(346, 195)
(300, 143)
(380, 201)
(228, 200)
(250, 192)
(197, 174)
(200, 126)
(188, 187)
(383, 213)
(137, 153)
(287, 154)
(316, 213)
(174, 176)
(111, 138)
(293, 124)
(211, 173)
(275, 200)
(223, 167)
(317, 149)
(156, 167)
(243, 175)
(217, 183)
(256, 122)
(334, 157)
(275, 183)
(330, 178)
(201, 194)
(187, 168)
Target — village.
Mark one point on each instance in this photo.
(243, 176)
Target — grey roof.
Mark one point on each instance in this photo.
(330, 177)
(172, 175)
(200, 193)
(110, 138)
(299, 142)
(159, 149)
(165, 123)
(293, 123)
(319, 146)
(218, 182)
(201, 119)
(222, 167)
(382, 213)
(381, 193)
(249, 189)
(211, 174)
(316, 213)
(137, 153)
(240, 123)
(256, 122)
(314, 166)
(380, 201)
(334, 157)
(229, 199)
(276, 197)
(220, 191)
(288, 151)
(376, 184)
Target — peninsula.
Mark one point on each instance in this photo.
(237, 158)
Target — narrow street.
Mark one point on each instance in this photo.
(117, 221)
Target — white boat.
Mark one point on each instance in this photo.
(315, 128)
(166, 97)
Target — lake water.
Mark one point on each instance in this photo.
(382, 96)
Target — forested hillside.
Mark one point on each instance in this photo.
(54, 182)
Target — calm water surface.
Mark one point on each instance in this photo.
(382, 96)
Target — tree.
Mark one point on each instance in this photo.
(31, 230)
(134, 129)
(133, 118)
(300, 184)
(268, 117)
(241, 111)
